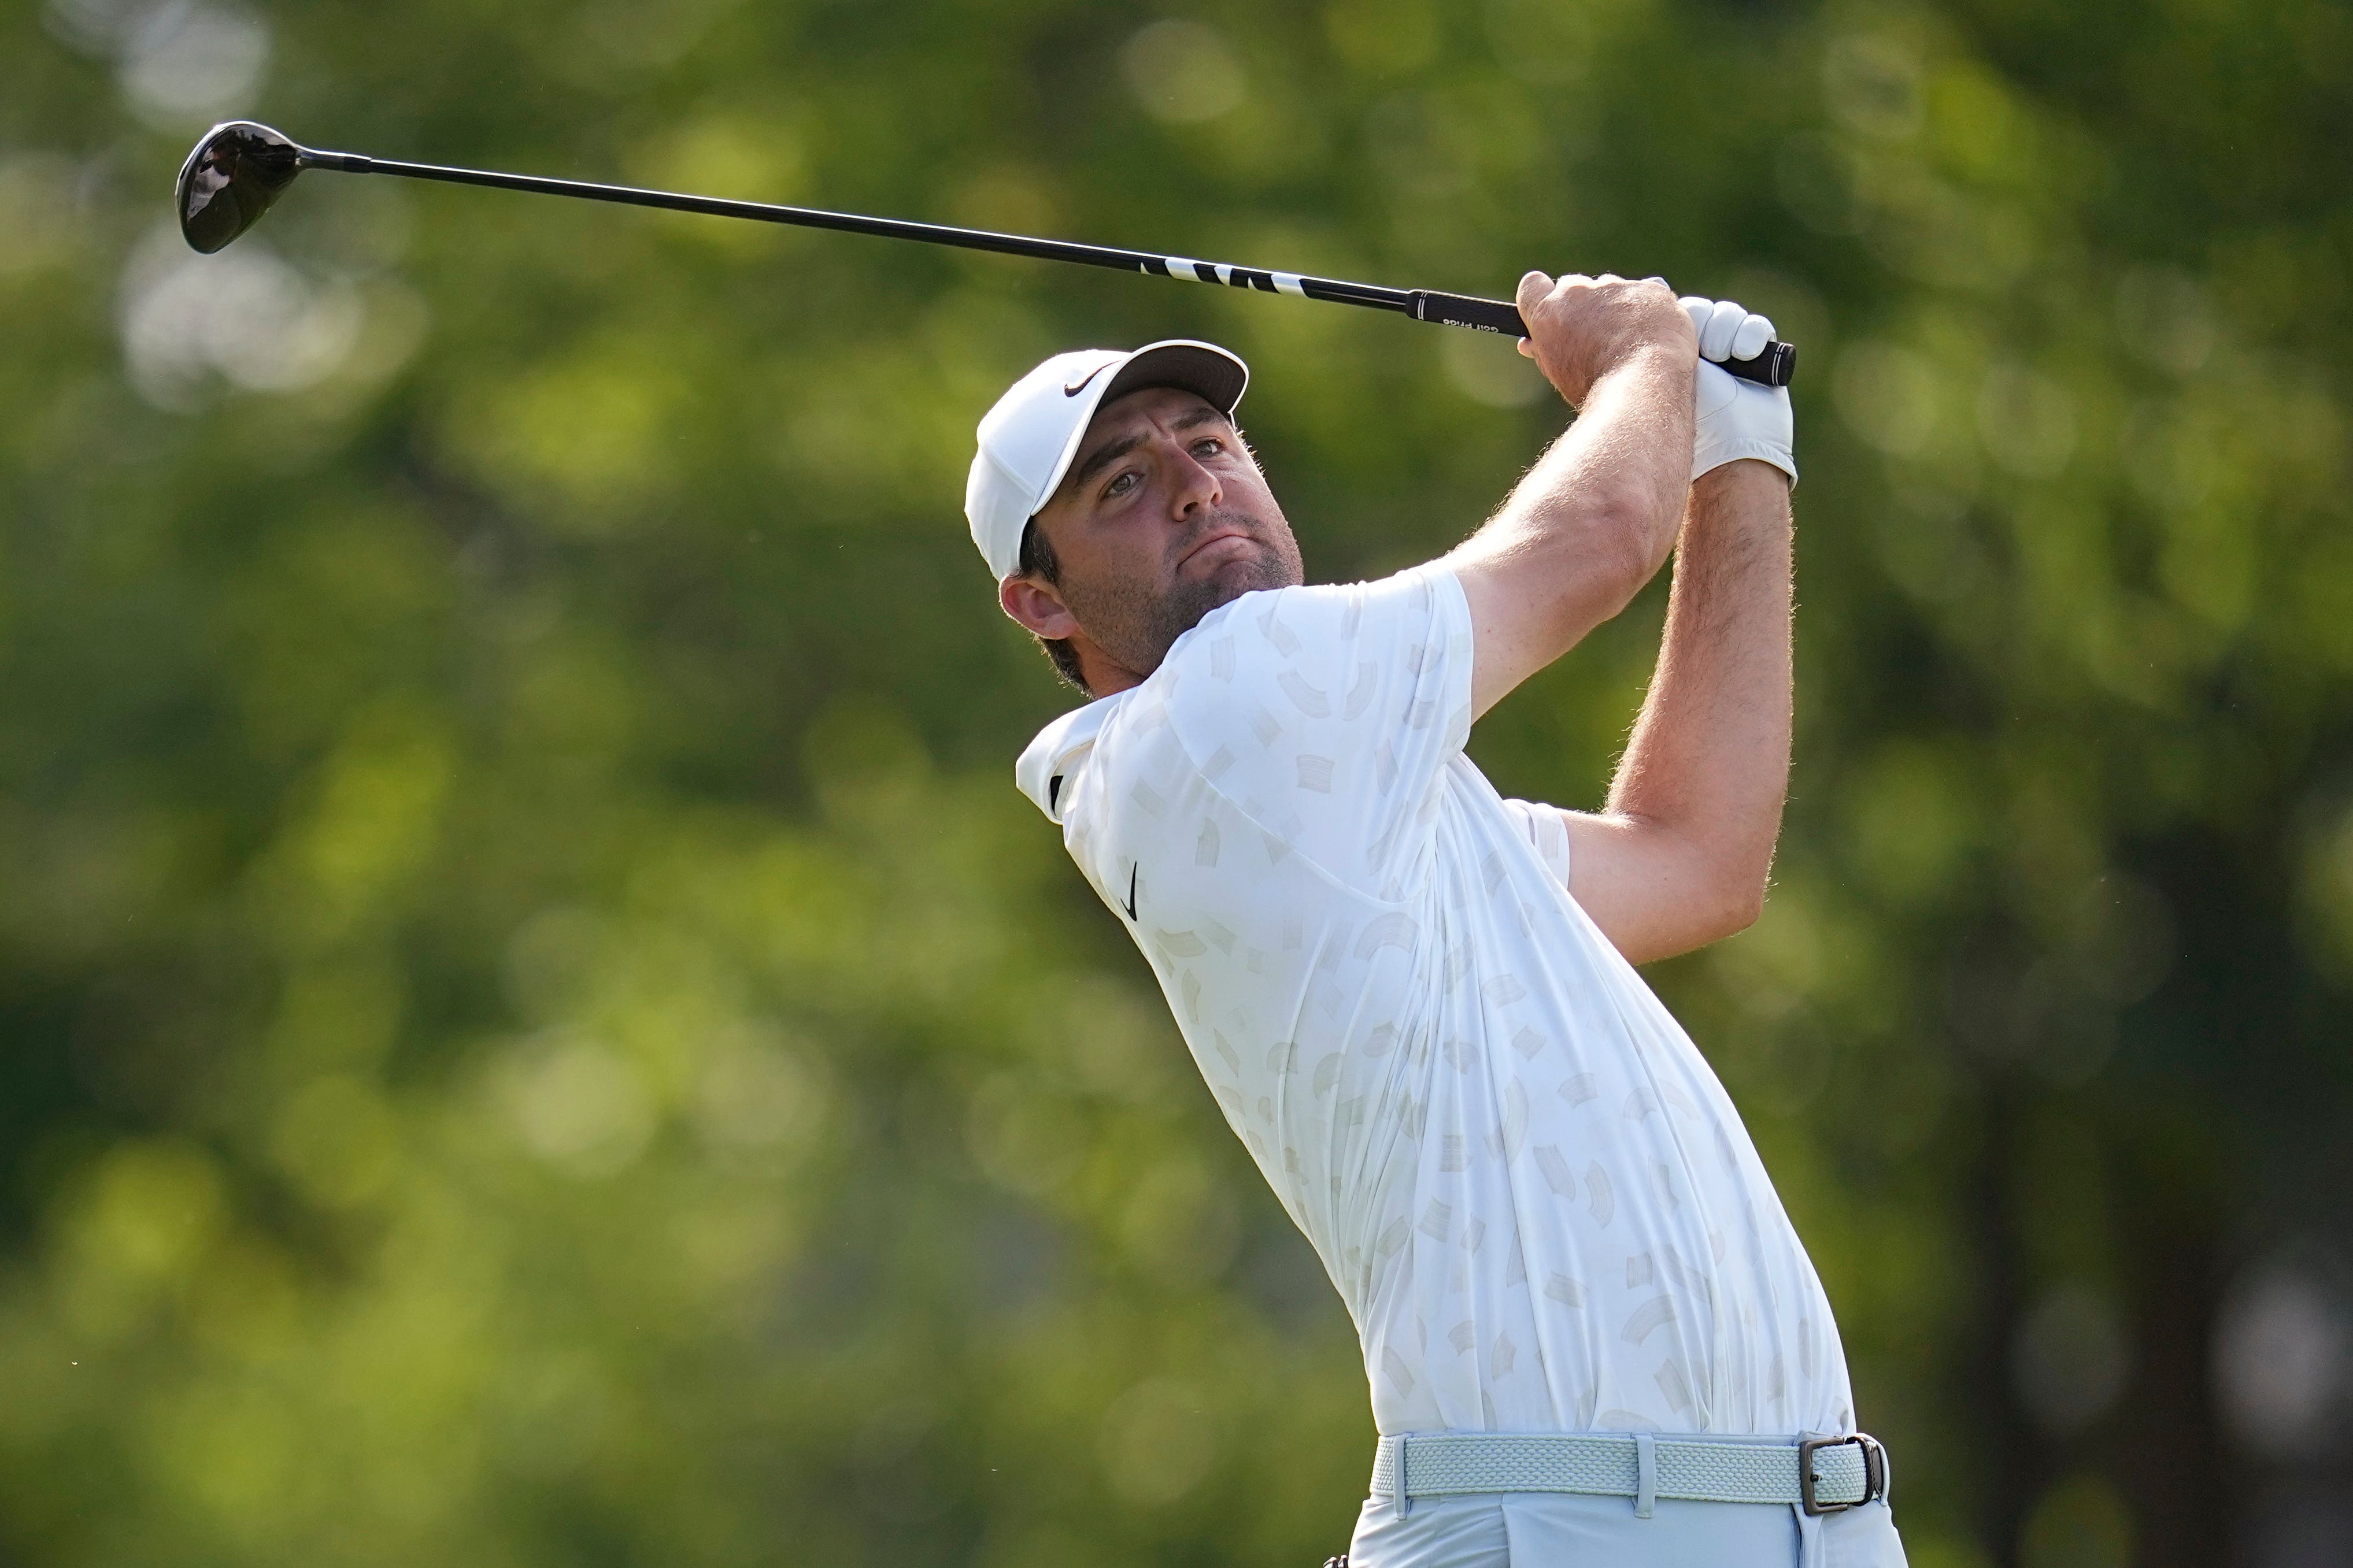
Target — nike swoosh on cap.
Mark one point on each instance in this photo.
(1071, 389)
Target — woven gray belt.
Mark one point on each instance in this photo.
(1820, 1475)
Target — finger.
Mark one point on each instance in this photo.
(1527, 349)
(1698, 310)
(1533, 287)
(1750, 340)
(1715, 337)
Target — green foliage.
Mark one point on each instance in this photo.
(539, 1030)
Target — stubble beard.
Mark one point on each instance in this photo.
(1137, 622)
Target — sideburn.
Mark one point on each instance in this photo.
(1038, 560)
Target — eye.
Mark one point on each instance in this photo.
(1121, 484)
(1207, 446)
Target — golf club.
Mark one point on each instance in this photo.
(239, 169)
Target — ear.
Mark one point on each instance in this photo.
(1038, 607)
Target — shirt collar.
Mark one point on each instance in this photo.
(1060, 748)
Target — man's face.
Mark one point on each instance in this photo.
(1163, 517)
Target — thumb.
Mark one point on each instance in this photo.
(1534, 286)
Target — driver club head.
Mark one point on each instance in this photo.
(230, 180)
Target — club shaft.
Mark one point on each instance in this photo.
(1159, 265)
(1772, 368)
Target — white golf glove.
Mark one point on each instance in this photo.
(1736, 418)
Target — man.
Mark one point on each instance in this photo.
(1590, 1331)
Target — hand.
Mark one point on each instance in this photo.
(1580, 328)
(1735, 418)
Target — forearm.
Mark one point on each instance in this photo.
(1709, 759)
(1590, 523)
(1616, 479)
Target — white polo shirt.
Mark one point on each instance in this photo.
(1537, 1201)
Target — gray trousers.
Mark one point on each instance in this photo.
(1562, 1530)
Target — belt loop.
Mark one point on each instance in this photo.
(1646, 1475)
(1404, 1498)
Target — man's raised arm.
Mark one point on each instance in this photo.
(1680, 857)
(1594, 520)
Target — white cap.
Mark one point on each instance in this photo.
(1028, 440)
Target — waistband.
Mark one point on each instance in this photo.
(1817, 1474)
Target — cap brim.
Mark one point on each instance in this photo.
(1203, 369)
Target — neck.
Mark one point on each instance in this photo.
(1106, 675)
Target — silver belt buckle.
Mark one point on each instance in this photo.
(1874, 1472)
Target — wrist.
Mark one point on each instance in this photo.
(1668, 338)
(1660, 356)
(1760, 481)
(1713, 452)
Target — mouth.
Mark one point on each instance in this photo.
(1224, 545)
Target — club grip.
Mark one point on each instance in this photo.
(1774, 366)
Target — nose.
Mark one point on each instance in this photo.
(1196, 489)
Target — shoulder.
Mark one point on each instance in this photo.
(1325, 715)
(1323, 669)
(1318, 628)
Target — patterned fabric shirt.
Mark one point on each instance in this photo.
(1537, 1201)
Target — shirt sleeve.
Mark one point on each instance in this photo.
(1545, 830)
(1328, 715)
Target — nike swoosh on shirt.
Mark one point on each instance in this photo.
(1133, 868)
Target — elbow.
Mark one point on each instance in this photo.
(1744, 908)
(1676, 905)
(1723, 895)
(1739, 903)
(1702, 917)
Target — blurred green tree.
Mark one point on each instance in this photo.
(540, 1032)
